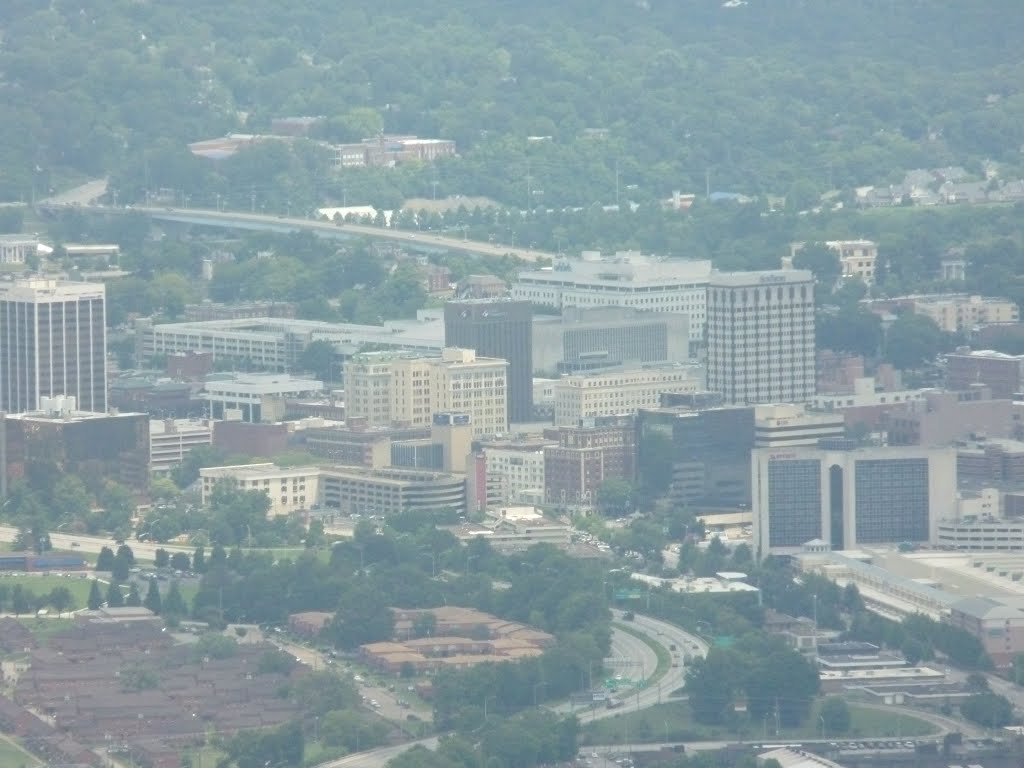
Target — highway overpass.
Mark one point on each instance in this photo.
(272, 223)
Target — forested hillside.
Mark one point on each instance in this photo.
(683, 93)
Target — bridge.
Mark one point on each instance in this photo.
(427, 241)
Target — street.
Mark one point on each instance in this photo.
(71, 542)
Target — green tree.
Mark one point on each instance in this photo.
(134, 599)
(836, 716)
(913, 340)
(152, 601)
(349, 729)
(711, 683)
(180, 561)
(61, 599)
(615, 498)
(1018, 669)
(318, 358)
(200, 457)
(854, 330)
(115, 598)
(174, 604)
(199, 560)
(121, 568)
(161, 558)
(70, 498)
(823, 263)
(315, 534)
(19, 600)
(95, 597)
(105, 559)
(362, 617)
(987, 709)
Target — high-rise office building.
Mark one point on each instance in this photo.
(850, 498)
(52, 342)
(761, 336)
(501, 329)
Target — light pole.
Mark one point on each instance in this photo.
(486, 699)
(541, 684)
(821, 719)
(469, 559)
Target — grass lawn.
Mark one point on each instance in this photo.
(43, 628)
(674, 722)
(41, 585)
(14, 756)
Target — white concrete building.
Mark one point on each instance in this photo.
(761, 336)
(16, 249)
(253, 396)
(275, 343)
(627, 279)
(53, 342)
(865, 393)
(782, 426)
(519, 470)
(290, 489)
(615, 393)
(170, 440)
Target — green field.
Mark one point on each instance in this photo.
(674, 722)
(77, 583)
(13, 756)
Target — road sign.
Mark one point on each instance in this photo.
(628, 594)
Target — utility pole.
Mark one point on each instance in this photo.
(252, 199)
(707, 184)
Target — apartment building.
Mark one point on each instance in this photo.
(386, 389)
(626, 279)
(615, 393)
(516, 468)
(290, 489)
(857, 258)
(586, 455)
(959, 312)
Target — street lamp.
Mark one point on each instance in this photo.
(470, 558)
(541, 684)
(821, 719)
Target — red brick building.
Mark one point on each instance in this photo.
(586, 456)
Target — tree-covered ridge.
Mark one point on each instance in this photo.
(755, 97)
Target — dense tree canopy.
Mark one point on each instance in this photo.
(661, 95)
